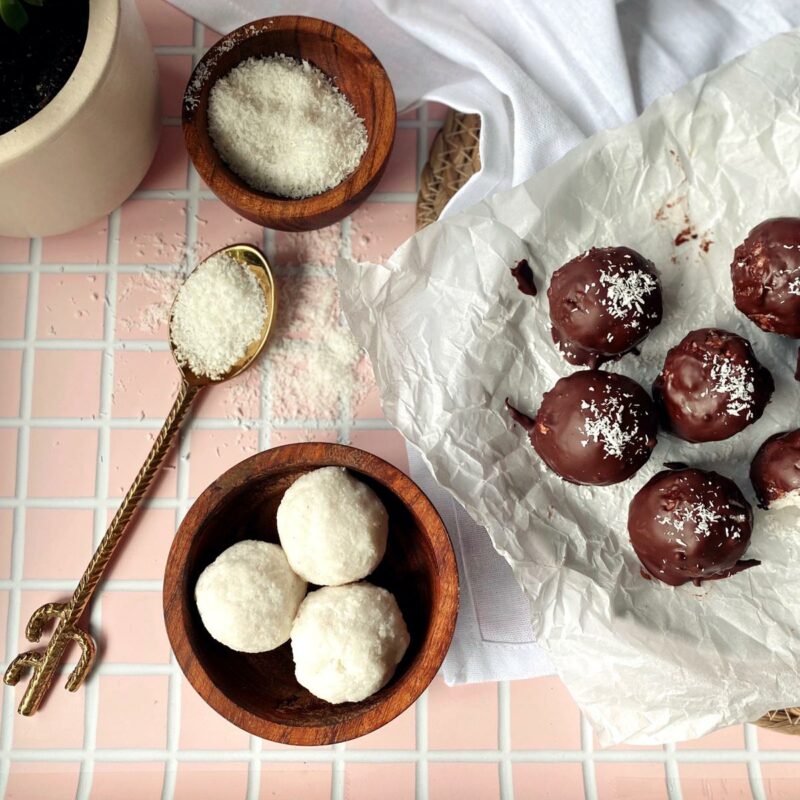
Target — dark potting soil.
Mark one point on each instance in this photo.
(36, 62)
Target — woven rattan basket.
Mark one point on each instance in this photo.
(454, 157)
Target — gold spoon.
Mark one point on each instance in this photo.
(44, 663)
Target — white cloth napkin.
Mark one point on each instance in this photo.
(543, 76)
(493, 638)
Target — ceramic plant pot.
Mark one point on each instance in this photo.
(87, 150)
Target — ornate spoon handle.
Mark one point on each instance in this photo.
(44, 663)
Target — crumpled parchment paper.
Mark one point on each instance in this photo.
(450, 337)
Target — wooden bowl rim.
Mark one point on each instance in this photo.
(219, 177)
(432, 651)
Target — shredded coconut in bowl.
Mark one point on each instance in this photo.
(284, 128)
(219, 312)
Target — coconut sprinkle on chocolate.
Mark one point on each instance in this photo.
(606, 426)
(625, 293)
(736, 381)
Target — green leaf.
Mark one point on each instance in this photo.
(35, 2)
(13, 14)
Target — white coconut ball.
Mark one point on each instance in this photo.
(332, 527)
(347, 641)
(249, 596)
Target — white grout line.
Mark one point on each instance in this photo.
(152, 424)
(328, 755)
(337, 772)
(504, 739)
(589, 756)
(754, 765)
(92, 686)
(253, 759)
(421, 753)
(264, 439)
(672, 775)
(182, 478)
(13, 621)
(67, 585)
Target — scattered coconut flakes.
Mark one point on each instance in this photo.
(317, 380)
(794, 286)
(163, 285)
(219, 312)
(319, 247)
(307, 327)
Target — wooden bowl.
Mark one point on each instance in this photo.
(258, 692)
(355, 71)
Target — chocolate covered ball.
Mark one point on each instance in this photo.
(593, 427)
(602, 304)
(775, 471)
(711, 386)
(690, 525)
(766, 276)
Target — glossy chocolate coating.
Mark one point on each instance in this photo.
(775, 470)
(690, 525)
(711, 386)
(602, 304)
(593, 427)
(766, 276)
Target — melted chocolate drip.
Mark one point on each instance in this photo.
(766, 276)
(523, 420)
(690, 525)
(523, 274)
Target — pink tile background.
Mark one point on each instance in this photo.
(14, 291)
(6, 537)
(66, 383)
(131, 693)
(126, 781)
(71, 304)
(453, 713)
(134, 628)
(58, 542)
(465, 781)
(88, 245)
(10, 368)
(42, 781)
(619, 781)
(288, 781)
(541, 781)
(53, 454)
(396, 781)
(132, 711)
(201, 781)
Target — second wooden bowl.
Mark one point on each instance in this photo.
(355, 71)
(259, 692)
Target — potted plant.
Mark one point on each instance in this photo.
(79, 114)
